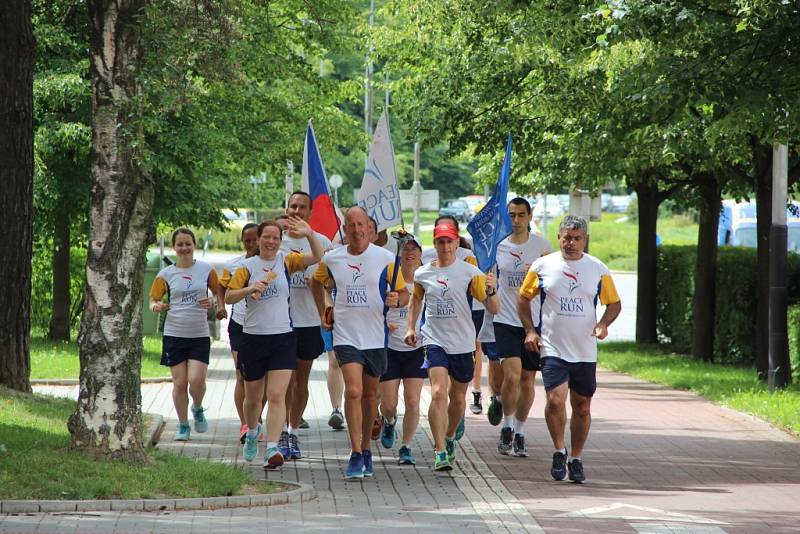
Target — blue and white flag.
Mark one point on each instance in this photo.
(492, 224)
(379, 194)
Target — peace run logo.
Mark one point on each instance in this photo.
(443, 282)
(356, 294)
(355, 269)
(188, 279)
(189, 296)
(572, 281)
(517, 259)
(272, 289)
(444, 305)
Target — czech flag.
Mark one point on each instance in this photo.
(323, 213)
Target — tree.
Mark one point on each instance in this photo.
(16, 202)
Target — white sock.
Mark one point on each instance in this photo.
(573, 458)
(392, 421)
(518, 427)
(508, 421)
(285, 427)
(293, 431)
(498, 398)
(271, 444)
(562, 451)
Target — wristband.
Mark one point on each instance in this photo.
(490, 292)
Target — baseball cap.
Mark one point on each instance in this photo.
(445, 230)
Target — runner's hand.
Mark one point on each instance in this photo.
(297, 227)
(491, 280)
(159, 307)
(600, 331)
(258, 289)
(222, 313)
(411, 338)
(392, 299)
(533, 342)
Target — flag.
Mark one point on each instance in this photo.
(323, 213)
(379, 194)
(492, 224)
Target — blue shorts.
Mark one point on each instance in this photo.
(260, 354)
(511, 344)
(235, 335)
(460, 366)
(581, 376)
(175, 350)
(404, 364)
(373, 360)
(477, 320)
(309, 342)
(327, 338)
(490, 350)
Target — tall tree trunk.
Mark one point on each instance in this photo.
(648, 200)
(704, 307)
(60, 318)
(762, 159)
(107, 420)
(16, 201)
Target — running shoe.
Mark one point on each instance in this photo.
(355, 467)
(504, 443)
(273, 458)
(575, 468)
(242, 433)
(250, 449)
(450, 447)
(440, 462)
(519, 446)
(376, 428)
(388, 434)
(184, 430)
(336, 420)
(558, 470)
(303, 423)
(495, 411)
(476, 407)
(200, 421)
(460, 429)
(367, 457)
(405, 457)
(283, 444)
(294, 449)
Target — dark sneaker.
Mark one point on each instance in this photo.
(558, 470)
(368, 469)
(355, 467)
(336, 420)
(476, 407)
(460, 429)
(504, 445)
(495, 411)
(376, 428)
(283, 444)
(388, 434)
(441, 463)
(303, 423)
(405, 457)
(575, 468)
(519, 446)
(450, 447)
(294, 449)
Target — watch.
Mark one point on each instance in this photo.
(491, 291)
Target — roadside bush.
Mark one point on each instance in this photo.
(793, 323)
(674, 293)
(42, 284)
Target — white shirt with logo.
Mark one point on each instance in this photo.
(513, 262)
(360, 286)
(185, 287)
(304, 311)
(568, 291)
(397, 322)
(462, 253)
(448, 293)
(237, 309)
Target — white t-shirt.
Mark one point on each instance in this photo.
(185, 317)
(462, 253)
(304, 311)
(569, 290)
(270, 313)
(513, 262)
(397, 323)
(360, 286)
(237, 310)
(448, 293)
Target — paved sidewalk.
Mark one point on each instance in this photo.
(658, 461)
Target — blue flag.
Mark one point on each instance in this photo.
(492, 224)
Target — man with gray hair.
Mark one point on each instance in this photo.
(569, 282)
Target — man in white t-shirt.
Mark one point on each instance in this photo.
(568, 283)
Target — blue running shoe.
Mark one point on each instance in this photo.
(460, 429)
(388, 434)
(273, 458)
(441, 463)
(250, 449)
(283, 444)
(450, 447)
(294, 449)
(183, 432)
(405, 457)
(368, 469)
(200, 422)
(355, 467)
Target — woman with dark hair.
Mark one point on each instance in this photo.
(186, 343)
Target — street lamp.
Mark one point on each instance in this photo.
(335, 182)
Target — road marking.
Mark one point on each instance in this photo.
(668, 528)
(659, 515)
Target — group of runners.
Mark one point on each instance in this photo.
(384, 321)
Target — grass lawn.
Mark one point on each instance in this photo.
(735, 387)
(60, 359)
(36, 463)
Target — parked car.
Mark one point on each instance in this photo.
(238, 220)
(738, 223)
(475, 202)
(457, 208)
(619, 203)
(554, 208)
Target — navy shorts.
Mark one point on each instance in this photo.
(374, 361)
(235, 335)
(309, 343)
(175, 350)
(477, 320)
(260, 354)
(581, 376)
(459, 366)
(404, 364)
(511, 344)
(327, 338)
(490, 350)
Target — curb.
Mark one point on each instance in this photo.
(76, 382)
(301, 493)
(154, 430)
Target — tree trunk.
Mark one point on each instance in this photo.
(705, 269)
(107, 420)
(16, 201)
(762, 158)
(648, 200)
(60, 319)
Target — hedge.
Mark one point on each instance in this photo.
(734, 322)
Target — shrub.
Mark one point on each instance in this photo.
(674, 293)
(793, 323)
(42, 284)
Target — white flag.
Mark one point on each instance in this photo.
(379, 194)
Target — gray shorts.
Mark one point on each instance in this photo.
(374, 361)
